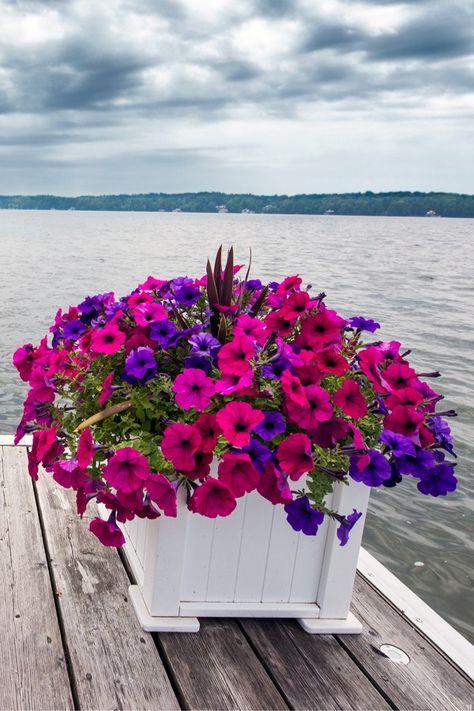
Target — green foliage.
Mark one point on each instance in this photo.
(412, 204)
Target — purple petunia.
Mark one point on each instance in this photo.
(442, 433)
(302, 517)
(73, 330)
(364, 324)
(371, 468)
(164, 332)
(438, 481)
(195, 361)
(347, 523)
(416, 464)
(272, 425)
(259, 454)
(203, 344)
(187, 295)
(276, 368)
(140, 366)
(398, 443)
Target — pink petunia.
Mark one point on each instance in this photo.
(398, 376)
(318, 409)
(251, 328)
(193, 388)
(152, 284)
(405, 396)
(293, 389)
(126, 470)
(209, 431)
(147, 313)
(235, 356)
(180, 443)
(237, 420)
(69, 474)
(238, 473)
(295, 305)
(202, 465)
(404, 420)
(331, 362)
(350, 400)
(107, 340)
(322, 329)
(107, 389)
(162, 492)
(212, 498)
(108, 533)
(294, 455)
(23, 360)
(233, 383)
(85, 448)
(273, 485)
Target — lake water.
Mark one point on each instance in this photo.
(415, 276)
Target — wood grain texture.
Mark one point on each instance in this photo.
(115, 664)
(217, 669)
(429, 681)
(311, 671)
(33, 673)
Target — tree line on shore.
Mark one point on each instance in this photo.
(414, 204)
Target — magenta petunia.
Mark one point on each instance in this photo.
(404, 420)
(331, 362)
(85, 448)
(193, 388)
(127, 470)
(212, 498)
(235, 356)
(234, 383)
(273, 485)
(69, 474)
(251, 328)
(180, 443)
(237, 420)
(322, 329)
(107, 389)
(108, 533)
(162, 492)
(293, 388)
(238, 473)
(350, 400)
(107, 340)
(149, 312)
(318, 408)
(23, 360)
(294, 455)
(209, 431)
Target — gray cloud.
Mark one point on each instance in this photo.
(79, 76)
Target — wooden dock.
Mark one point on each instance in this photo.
(70, 639)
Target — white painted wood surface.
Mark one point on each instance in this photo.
(251, 563)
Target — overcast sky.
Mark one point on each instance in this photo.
(257, 96)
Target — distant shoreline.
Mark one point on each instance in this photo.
(368, 204)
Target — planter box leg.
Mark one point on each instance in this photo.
(159, 624)
(350, 625)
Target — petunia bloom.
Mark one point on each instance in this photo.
(85, 448)
(179, 444)
(273, 485)
(438, 481)
(147, 313)
(126, 470)
(235, 356)
(193, 389)
(294, 455)
(371, 468)
(350, 400)
(302, 517)
(162, 492)
(346, 524)
(107, 340)
(237, 420)
(237, 472)
(212, 498)
(140, 366)
(405, 420)
(108, 533)
(272, 425)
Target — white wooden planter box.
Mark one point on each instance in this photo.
(249, 564)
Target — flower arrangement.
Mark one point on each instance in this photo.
(135, 397)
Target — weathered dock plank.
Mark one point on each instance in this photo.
(33, 672)
(217, 669)
(428, 681)
(115, 664)
(311, 671)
